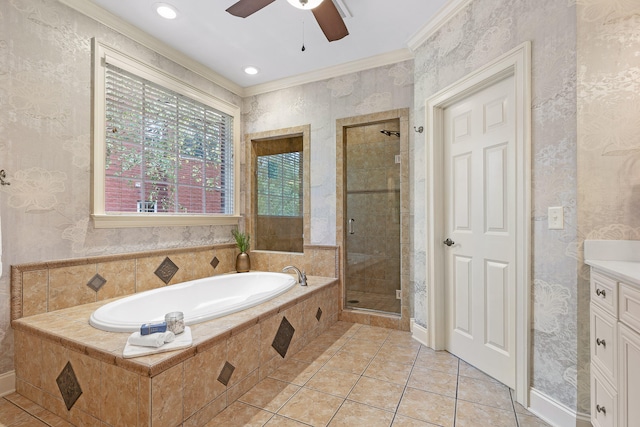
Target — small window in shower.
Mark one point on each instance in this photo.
(279, 195)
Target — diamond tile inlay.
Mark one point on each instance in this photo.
(225, 374)
(69, 386)
(166, 270)
(96, 282)
(283, 337)
(319, 314)
(214, 262)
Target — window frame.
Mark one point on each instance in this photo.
(102, 55)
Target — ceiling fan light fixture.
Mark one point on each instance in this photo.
(166, 10)
(305, 4)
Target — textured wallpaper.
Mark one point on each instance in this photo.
(45, 124)
(481, 32)
(609, 118)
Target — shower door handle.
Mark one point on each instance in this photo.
(351, 221)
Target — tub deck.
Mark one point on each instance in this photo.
(46, 342)
(70, 327)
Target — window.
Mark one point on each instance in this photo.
(280, 184)
(163, 151)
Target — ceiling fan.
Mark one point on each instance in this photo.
(325, 13)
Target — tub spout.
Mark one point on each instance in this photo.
(302, 276)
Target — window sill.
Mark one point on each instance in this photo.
(160, 220)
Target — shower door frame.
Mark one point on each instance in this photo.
(402, 115)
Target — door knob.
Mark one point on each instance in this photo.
(449, 242)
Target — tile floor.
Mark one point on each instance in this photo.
(355, 375)
(352, 375)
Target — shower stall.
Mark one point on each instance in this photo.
(371, 162)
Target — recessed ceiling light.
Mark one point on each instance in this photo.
(305, 4)
(166, 10)
(251, 70)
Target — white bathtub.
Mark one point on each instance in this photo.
(200, 300)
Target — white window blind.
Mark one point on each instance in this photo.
(280, 184)
(164, 149)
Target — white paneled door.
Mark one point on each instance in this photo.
(480, 229)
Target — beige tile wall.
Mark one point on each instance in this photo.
(42, 287)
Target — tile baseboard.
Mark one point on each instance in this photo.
(7, 383)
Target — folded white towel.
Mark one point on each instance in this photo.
(151, 340)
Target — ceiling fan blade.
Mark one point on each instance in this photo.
(330, 21)
(244, 8)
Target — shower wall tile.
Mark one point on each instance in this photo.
(68, 286)
(35, 294)
(120, 276)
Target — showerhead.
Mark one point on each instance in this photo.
(390, 132)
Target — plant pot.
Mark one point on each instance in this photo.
(243, 263)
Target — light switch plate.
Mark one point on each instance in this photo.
(556, 218)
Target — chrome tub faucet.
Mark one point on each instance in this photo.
(302, 276)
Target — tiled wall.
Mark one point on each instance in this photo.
(42, 287)
(189, 392)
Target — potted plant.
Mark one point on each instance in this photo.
(243, 263)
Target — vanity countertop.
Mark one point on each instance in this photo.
(620, 258)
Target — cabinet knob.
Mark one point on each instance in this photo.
(601, 409)
(601, 293)
(601, 342)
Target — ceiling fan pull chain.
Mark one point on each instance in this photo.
(303, 48)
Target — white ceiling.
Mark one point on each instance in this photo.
(271, 39)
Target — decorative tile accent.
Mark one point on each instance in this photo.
(283, 337)
(96, 282)
(214, 262)
(166, 270)
(319, 314)
(69, 386)
(226, 372)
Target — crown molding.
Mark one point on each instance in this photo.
(331, 72)
(108, 19)
(448, 11)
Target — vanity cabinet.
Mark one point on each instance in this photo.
(615, 351)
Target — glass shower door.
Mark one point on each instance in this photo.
(372, 217)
